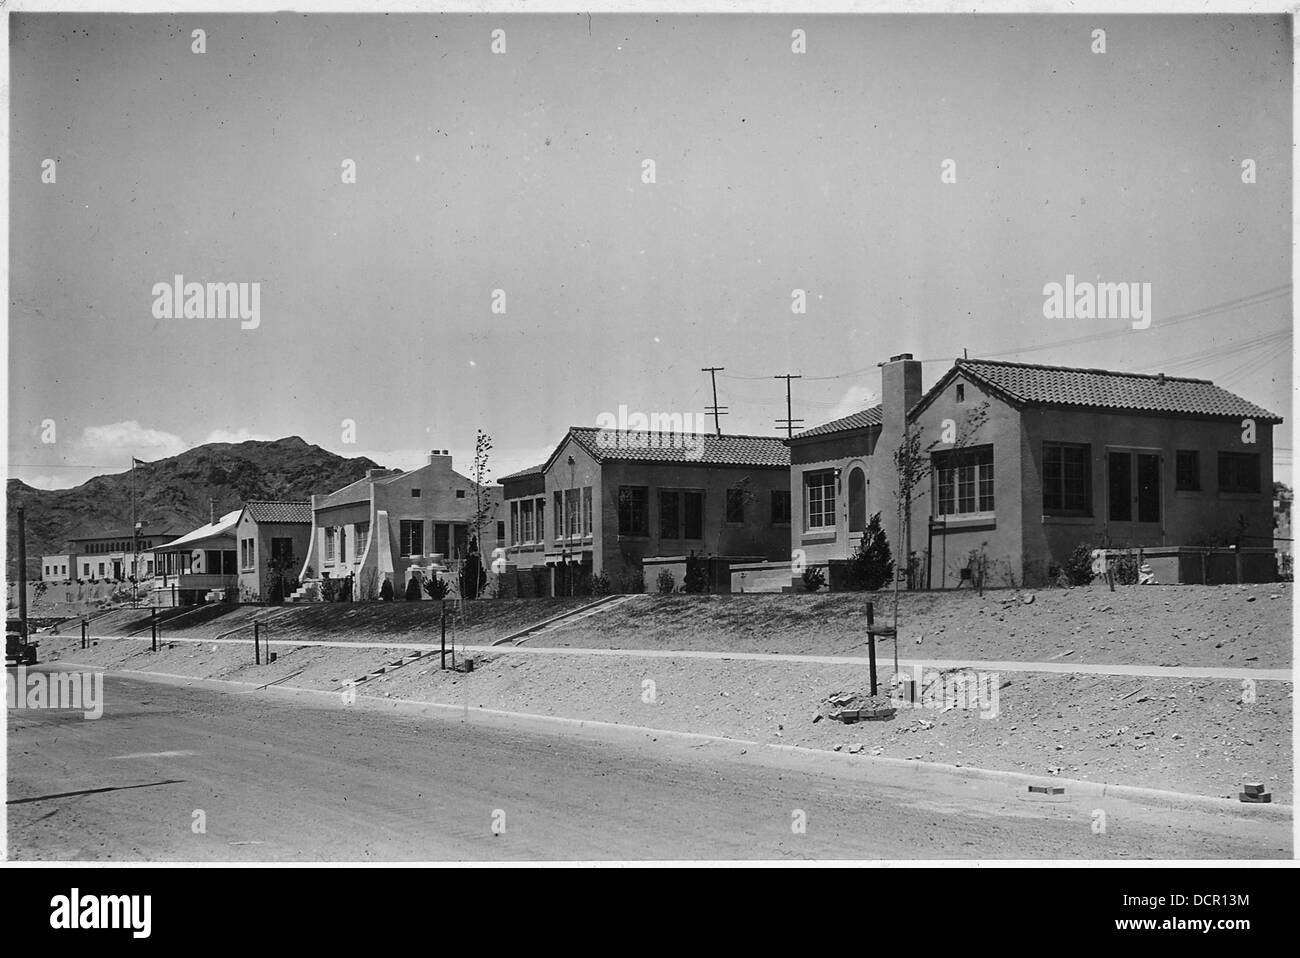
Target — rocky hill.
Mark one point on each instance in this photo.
(174, 493)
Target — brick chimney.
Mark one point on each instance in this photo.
(440, 456)
(900, 390)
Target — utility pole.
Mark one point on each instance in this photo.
(788, 422)
(715, 408)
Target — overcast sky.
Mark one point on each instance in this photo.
(522, 172)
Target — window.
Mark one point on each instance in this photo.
(559, 514)
(526, 521)
(736, 505)
(460, 493)
(329, 544)
(1187, 470)
(670, 518)
(961, 392)
(1067, 479)
(442, 539)
(501, 530)
(541, 520)
(633, 511)
(819, 499)
(246, 553)
(282, 552)
(514, 523)
(343, 544)
(363, 539)
(693, 510)
(572, 507)
(586, 510)
(415, 493)
(1239, 472)
(780, 507)
(857, 500)
(965, 481)
(410, 537)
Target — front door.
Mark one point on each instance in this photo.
(1133, 497)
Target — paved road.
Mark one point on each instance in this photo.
(883, 660)
(281, 777)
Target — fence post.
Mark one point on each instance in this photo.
(871, 643)
(84, 625)
(444, 634)
(257, 646)
(153, 629)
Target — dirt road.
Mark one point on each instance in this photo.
(183, 773)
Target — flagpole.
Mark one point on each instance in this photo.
(135, 549)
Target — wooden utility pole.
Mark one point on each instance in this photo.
(788, 421)
(715, 408)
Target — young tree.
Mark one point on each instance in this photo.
(913, 466)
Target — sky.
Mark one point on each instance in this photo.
(524, 172)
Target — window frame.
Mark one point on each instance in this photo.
(971, 471)
(1226, 458)
(1064, 506)
(626, 505)
(824, 479)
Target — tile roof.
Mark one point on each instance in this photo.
(1103, 389)
(264, 511)
(524, 473)
(695, 448)
(859, 420)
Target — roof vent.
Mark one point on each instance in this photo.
(1160, 377)
(894, 359)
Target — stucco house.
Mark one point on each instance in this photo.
(625, 503)
(273, 537)
(390, 521)
(1023, 463)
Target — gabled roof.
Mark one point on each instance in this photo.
(1102, 389)
(524, 473)
(607, 445)
(222, 527)
(872, 416)
(260, 510)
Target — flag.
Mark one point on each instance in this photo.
(137, 462)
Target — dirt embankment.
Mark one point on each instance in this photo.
(1230, 626)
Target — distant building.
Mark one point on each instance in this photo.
(111, 556)
(1024, 463)
(273, 538)
(383, 525)
(626, 503)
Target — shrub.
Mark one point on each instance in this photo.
(413, 590)
(436, 587)
(600, 584)
(1078, 567)
(665, 582)
(697, 575)
(386, 591)
(813, 578)
(1125, 568)
(872, 565)
(329, 589)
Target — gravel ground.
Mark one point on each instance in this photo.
(1238, 626)
(1179, 734)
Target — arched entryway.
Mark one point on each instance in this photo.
(857, 500)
